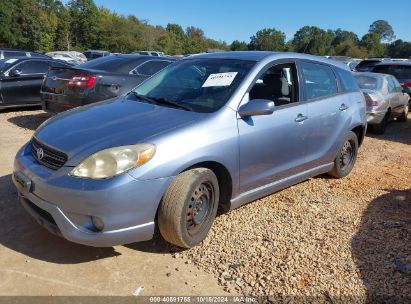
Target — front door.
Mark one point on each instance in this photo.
(25, 88)
(272, 147)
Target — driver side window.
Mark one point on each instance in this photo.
(278, 83)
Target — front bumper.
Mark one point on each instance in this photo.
(64, 204)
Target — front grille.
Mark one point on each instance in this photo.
(52, 158)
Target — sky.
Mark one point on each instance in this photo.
(230, 20)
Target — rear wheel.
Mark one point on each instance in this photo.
(382, 126)
(346, 157)
(188, 208)
(404, 115)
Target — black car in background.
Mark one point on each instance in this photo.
(94, 54)
(103, 78)
(15, 53)
(368, 64)
(21, 79)
(399, 69)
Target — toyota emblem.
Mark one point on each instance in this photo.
(40, 153)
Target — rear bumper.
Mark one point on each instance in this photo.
(375, 117)
(55, 103)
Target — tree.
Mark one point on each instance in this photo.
(238, 46)
(371, 42)
(62, 37)
(7, 36)
(400, 49)
(268, 39)
(313, 40)
(342, 36)
(84, 18)
(383, 29)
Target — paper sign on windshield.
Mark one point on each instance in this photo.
(219, 79)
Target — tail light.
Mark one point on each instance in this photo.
(82, 81)
(407, 84)
(370, 101)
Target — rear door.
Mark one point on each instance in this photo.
(272, 147)
(327, 109)
(25, 88)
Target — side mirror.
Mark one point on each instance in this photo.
(15, 73)
(256, 107)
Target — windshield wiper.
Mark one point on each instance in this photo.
(171, 103)
(163, 101)
(145, 98)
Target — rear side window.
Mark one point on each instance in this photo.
(150, 67)
(11, 54)
(396, 70)
(348, 83)
(368, 63)
(33, 67)
(366, 82)
(319, 80)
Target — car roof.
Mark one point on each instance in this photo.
(371, 74)
(262, 55)
(407, 63)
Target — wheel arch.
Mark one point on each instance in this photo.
(225, 181)
(360, 132)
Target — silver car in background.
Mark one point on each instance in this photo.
(385, 99)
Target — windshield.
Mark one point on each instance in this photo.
(202, 85)
(368, 82)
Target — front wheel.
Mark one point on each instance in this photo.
(346, 156)
(189, 207)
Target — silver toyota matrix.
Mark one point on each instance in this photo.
(209, 131)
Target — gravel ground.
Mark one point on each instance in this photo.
(324, 239)
(347, 239)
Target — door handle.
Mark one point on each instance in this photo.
(300, 118)
(343, 107)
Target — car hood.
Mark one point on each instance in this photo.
(85, 130)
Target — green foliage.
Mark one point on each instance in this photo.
(371, 42)
(383, 29)
(268, 39)
(400, 49)
(238, 46)
(313, 40)
(49, 25)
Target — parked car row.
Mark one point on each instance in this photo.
(59, 86)
(103, 78)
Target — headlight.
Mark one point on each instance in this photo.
(114, 161)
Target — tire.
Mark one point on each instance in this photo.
(343, 163)
(181, 219)
(403, 117)
(382, 126)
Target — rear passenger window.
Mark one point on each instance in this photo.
(319, 80)
(348, 83)
(150, 67)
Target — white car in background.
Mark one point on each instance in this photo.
(72, 57)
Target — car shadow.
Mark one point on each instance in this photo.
(381, 248)
(29, 121)
(396, 131)
(21, 233)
